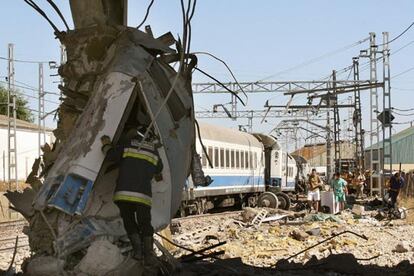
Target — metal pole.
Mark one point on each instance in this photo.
(328, 143)
(12, 117)
(40, 113)
(375, 166)
(386, 126)
(233, 107)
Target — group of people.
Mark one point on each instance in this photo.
(315, 185)
(338, 186)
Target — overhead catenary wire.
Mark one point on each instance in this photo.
(402, 73)
(316, 59)
(146, 14)
(221, 84)
(59, 13)
(403, 110)
(400, 35)
(42, 13)
(32, 89)
(228, 68)
(25, 61)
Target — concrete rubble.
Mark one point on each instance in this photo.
(271, 243)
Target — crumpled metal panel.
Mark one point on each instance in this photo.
(125, 77)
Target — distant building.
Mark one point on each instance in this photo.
(402, 150)
(315, 154)
(27, 147)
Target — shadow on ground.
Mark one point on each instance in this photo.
(341, 264)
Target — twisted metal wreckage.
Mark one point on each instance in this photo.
(114, 74)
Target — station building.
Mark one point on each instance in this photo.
(402, 144)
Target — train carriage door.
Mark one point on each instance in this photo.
(268, 165)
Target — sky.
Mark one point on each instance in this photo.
(257, 39)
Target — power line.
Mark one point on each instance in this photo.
(146, 14)
(398, 36)
(25, 61)
(28, 87)
(316, 59)
(30, 96)
(402, 73)
(403, 110)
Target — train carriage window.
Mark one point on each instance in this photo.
(242, 159)
(227, 158)
(251, 160)
(210, 154)
(222, 158)
(237, 159)
(203, 159)
(255, 160)
(216, 157)
(232, 159)
(246, 158)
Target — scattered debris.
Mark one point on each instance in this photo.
(401, 247)
(102, 256)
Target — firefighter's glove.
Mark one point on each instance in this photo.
(158, 177)
(106, 143)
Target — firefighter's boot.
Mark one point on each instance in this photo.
(136, 246)
(150, 259)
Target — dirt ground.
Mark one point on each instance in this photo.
(263, 250)
(388, 243)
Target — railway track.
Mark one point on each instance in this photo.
(12, 224)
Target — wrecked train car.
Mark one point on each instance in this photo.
(114, 75)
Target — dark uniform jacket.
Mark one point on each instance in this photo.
(138, 162)
(396, 184)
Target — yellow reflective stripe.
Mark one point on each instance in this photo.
(145, 201)
(140, 156)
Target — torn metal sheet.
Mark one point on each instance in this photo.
(110, 70)
(82, 234)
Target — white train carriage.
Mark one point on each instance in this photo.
(238, 169)
(245, 166)
(280, 167)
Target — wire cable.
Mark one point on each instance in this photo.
(316, 59)
(228, 68)
(400, 35)
(221, 84)
(403, 110)
(402, 73)
(42, 13)
(59, 13)
(24, 61)
(146, 14)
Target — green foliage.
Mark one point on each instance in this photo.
(23, 112)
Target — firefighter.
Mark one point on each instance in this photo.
(138, 162)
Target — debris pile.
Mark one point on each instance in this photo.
(263, 246)
(114, 75)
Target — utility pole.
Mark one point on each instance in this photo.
(387, 114)
(357, 119)
(41, 111)
(375, 182)
(233, 107)
(328, 141)
(337, 129)
(12, 117)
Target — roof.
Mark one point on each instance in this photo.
(268, 141)
(227, 135)
(311, 151)
(20, 124)
(395, 138)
